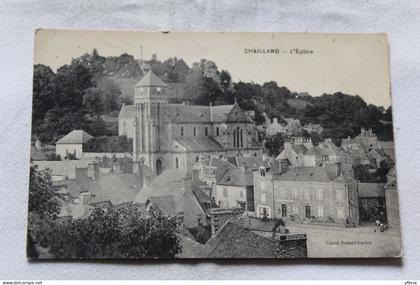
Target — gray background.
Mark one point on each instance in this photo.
(18, 19)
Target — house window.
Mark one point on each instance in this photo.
(194, 131)
(176, 162)
(263, 198)
(217, 131)
(307, 196)
(206, 131)
(225, 192)
(182, 131)
(339, 195)
(262, 172)
(320, 211)
(197, 159)
(241, 194)
(320, 194)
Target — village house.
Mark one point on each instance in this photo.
(72, 144)
(276, 128)
(175, 135)
(319, 194)
(371, 202)
(294, 151)
(172, 193)
(313, 128)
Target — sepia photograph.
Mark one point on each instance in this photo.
(194, 145)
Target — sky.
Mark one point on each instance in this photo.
(317, 63)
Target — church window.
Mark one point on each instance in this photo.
(234, 138)
(194, 131)
(217, 131)
(196, 159)
(242, 140)
(176, 162)
(182, 131)
(237, 137)
(206, 131)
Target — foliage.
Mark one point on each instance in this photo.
(274, 144)
(109, 144)
(121, 231)
(43, 196)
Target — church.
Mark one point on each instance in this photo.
(177, 136)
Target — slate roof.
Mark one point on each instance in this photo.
(299, 148)
(236, 177)
(309, 174)
(198, 144)
(150, 79)
(127, 112)
(63, 167)
(180, 113)
(315, 151)
(170, 189)
(116, 188)
(371, 190)
(233, 241)
(75, 137)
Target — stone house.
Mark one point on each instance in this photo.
(72, 144)
(276, 128)
(321, 194)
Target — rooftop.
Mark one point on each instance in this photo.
(75, 137)
(151, 79)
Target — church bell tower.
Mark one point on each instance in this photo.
(149, 96)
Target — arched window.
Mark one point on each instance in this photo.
(176, 162)
(206, 131)
(217, 131)
(194, 131)
(237, 137)
(234, 138)
(182, 131)
(242, 140)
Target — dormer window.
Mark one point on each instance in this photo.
(262, 172)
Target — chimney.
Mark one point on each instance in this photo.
(38, 144)
(85, 198)
(93, 170)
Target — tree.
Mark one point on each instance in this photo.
(274, 144)
(43, 196)
(122, 231)
(92, 101)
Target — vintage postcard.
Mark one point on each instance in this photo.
(211, 145)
